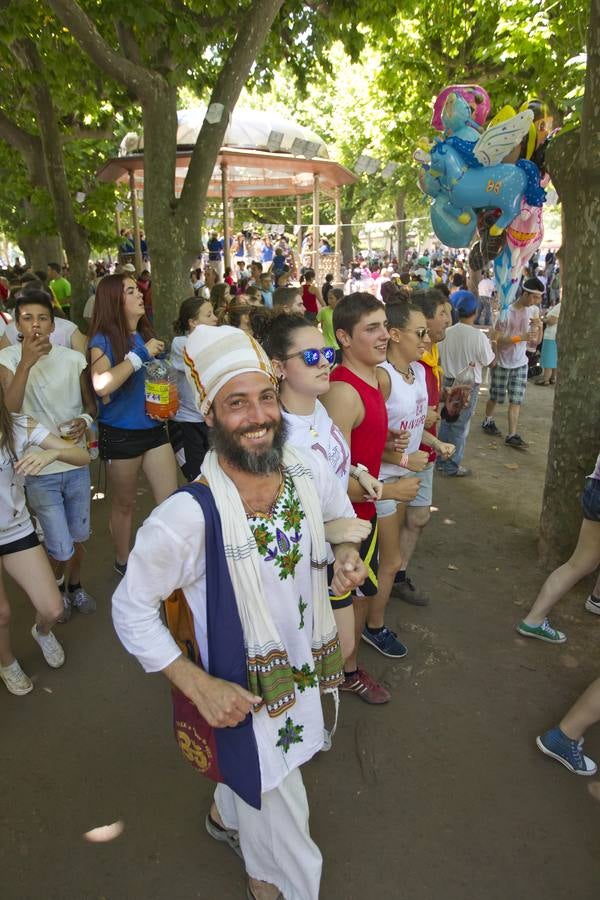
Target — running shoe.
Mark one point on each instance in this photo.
(386, 641)
(405, 590)
(53, 652)
(15, 679)
(516, 441)
(120, 568)
(566, 751)
(592, 604)
(364, 686)
(491, 428)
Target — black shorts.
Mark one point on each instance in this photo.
(590, 500)
(190, 443)
(369, 553)
(128, 443)
(24, 543)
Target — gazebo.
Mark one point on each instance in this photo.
(263, 155)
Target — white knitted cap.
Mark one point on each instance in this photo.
(213, 356)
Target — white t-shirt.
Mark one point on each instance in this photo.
(53, 391)
(169, 552)
(60, 337)
(406, 408)
(463, 346)
(516, 323)
(15, 521)
(188, 411)
(486, 287)
(319, 433)
(550, 332)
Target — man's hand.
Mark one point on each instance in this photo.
(33, 348)
(349, 571)
(222, 703)
(418, 461)
(405, 489)
(432, 417)
(372, 486)
(444, 450)
(397, 441)
(76, 431)
(347, 531)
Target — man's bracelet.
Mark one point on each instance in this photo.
(89, 421)
(404, 460)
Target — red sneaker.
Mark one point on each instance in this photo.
(364, 686)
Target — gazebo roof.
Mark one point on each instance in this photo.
(250, 173)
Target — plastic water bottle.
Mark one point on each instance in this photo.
(160, 388)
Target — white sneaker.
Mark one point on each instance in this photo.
(53, 652)
(15, 679)
(592, 605)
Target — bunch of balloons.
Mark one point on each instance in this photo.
(487, 182)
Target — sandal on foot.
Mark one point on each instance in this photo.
(226, 835)
(541, 382)
(250, 895)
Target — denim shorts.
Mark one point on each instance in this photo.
(61, 502)
(423, 498)
(590, 500)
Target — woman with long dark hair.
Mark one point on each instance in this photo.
(21, 554)
(187, 430)
(121, 341)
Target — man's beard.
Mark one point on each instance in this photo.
(256, 462)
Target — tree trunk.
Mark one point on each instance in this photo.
(170, 278)
(401, 225)
(574, 165)
(575, 432)
(40, 250)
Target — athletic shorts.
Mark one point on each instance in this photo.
(22, 543)
(129, 443)
(369, 553)
(512, 380)
(61, 501)
(590, 500)
(424, 496)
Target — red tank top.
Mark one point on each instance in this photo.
(367, 441)
(309, 299)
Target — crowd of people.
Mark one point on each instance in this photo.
(311, 424)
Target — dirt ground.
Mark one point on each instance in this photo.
(440, 794)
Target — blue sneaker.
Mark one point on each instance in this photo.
(566, 751)
(386, 641)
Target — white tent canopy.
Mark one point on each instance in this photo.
(248, 129)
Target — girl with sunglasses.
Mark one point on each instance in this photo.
(302, 364)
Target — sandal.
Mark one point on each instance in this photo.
(541, 382)
(250, 895)
(226, 835)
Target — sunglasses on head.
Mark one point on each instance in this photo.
(311, 357)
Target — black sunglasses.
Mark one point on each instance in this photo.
(311, 357)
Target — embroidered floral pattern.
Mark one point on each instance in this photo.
(304, 677)
(301, 607)
(281, 545)
(289, 734)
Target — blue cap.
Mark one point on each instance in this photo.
(465, 303)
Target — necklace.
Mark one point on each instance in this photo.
(311, 424)
(410, 374)
(272, 505)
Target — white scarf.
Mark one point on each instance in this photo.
(269, 671)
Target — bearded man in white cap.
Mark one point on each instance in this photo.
(246, 544)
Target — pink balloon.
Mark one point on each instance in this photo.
(476, 96)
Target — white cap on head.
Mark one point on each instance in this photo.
(213, 356)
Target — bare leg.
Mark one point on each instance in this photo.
(31, 570)
(390, 560)
(596, 591)
(417, 518)
(360, 619)
(585, 559)
(490, 406)
(344, 619)
(122, 479)
(160, 468)
(6, 655)
(513, 417)
(584, 712)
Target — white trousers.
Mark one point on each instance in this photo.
(275, 840)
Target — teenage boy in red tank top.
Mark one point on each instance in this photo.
(357, 406)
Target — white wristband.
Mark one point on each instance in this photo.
(135, 360)
(87, 419)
